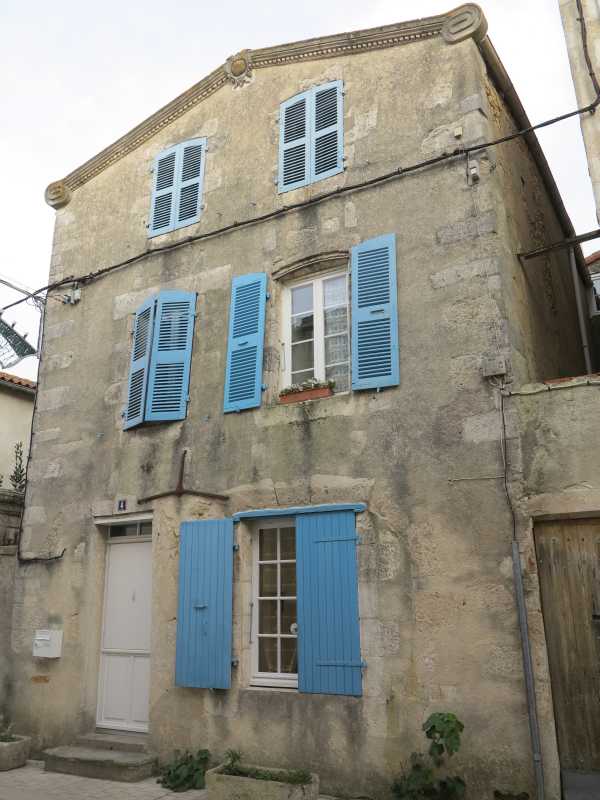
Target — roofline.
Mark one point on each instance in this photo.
(464, 22)
(16, 384)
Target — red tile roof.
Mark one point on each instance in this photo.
(591, 259)
(15, 380)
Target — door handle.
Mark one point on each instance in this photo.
(200, 605)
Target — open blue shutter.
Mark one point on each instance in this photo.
(243, 378)
(162, 211)
(138, 369)
(294, 142)
(168, 382)
(375, 314)
(327, 133)
(204, 616)
(329, 659)
(189, 184)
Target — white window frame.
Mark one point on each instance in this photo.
(318, 322)
(270, 679)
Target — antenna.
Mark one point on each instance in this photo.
(13, 346)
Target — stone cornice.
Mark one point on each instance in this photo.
(468, 18)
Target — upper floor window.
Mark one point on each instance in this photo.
(316, 332)
(177, 187)
(311, 136)
(161, 354)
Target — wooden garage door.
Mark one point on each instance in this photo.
(568, 553)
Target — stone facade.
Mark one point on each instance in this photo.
(438, 621)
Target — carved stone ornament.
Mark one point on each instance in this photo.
(463, 23)
(238, 68)
(57, 194)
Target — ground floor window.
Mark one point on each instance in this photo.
(274, 622)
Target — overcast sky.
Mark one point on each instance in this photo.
(77, 75)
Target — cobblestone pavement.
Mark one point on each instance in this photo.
(32, 783)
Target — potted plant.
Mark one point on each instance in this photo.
(311, 389)
(14, 750)
(248, 782)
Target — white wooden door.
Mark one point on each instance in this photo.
(124, 687)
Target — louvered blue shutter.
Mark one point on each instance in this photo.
(140, 358)
(329, 660)
(327, 133)
(294, 142)
(204, 616)
(375, 314)
(243, 378)
(164, 192)
(168, 382)
(190, 171)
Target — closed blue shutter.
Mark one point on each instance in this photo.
(294, 142)
(327, 131)
(204, 616)
(189, 185)
(138, 369)
(168, 382)
(375, 361)
(162, 211)
(243, 378)
(329, 659)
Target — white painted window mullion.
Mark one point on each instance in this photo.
(319, 328)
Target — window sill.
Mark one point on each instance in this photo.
(308, 394)
(271, 688)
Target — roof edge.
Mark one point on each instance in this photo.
(461, 23)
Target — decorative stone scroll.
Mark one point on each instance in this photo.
(463, 23)
(57, 194)
(238, 68)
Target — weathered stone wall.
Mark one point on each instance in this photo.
(11, 505)
(438, 621)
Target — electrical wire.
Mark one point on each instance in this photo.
(399, 172)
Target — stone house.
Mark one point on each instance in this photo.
(16, 407)
(306, 576)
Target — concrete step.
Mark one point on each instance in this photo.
(93, 762)
(115, 740)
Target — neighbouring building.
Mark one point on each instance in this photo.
(294, 429)
(16, 407)
(585, 89)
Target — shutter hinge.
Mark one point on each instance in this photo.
(235, 662)
(363, 664)
(187, 399)
(236, 547)
(263, 388)
(268, 295)
(275, 181)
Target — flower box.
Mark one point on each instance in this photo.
(226, 787)
(306, 394)
(14, 754)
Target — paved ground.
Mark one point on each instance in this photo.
(32, 783)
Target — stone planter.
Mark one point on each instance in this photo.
(14, 754)
(307, 394)
(228, 787)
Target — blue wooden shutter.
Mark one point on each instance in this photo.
(294, 142)
(162, 211)
(243, 378)
(138, 369)
(168, 382)
(189, 184)
(327, 133)
(204, 616)
(329, 659)
(375, 314)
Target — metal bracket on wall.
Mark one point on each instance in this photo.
(179, 490)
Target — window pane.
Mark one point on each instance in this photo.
(268, 580)
(146, 529)
(267, 654)
(117, 530)
(334, 291)
(336, 349)
(289, 656)
(300, 377)
(302, 327)
(288, 580)
(267, 545)
(336, 320)
(288, 544)
(302, 299)
(288, 615)
(339, 374)
(302, 356)
(267, 616)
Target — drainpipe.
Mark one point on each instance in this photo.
(580, 313)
